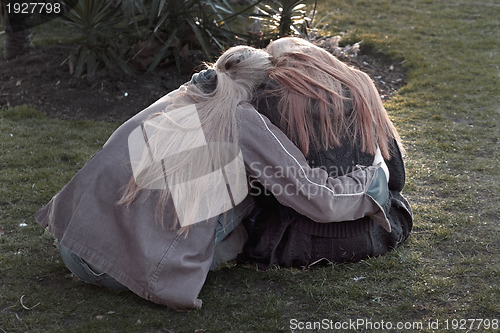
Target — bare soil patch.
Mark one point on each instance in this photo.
(42, 80)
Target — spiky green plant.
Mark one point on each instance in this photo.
(111, 29)
(98, 24)
(280, 18)
(203, 24)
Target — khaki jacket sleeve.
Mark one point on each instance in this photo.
(272, 159)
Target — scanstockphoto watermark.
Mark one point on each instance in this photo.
(280, 171)
(279, 180)
(354, 324)
(362, 324)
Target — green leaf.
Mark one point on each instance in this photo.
(91, 65)
(80, 63)
(205, 45)
(162, 52)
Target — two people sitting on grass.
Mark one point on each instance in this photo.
(165, 198)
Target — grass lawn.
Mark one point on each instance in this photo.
(447, 274)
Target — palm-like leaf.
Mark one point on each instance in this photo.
(97, 23)
(281, 18)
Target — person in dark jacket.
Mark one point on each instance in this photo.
(334, 114)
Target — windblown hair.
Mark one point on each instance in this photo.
(235, 76)
(313, 85)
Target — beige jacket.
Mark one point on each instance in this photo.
(154, 261)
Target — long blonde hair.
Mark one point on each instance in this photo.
(194, 132)
(312, 89)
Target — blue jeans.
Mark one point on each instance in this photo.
(232, 218)
(85, 272)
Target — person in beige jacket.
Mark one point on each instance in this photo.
(142, 214)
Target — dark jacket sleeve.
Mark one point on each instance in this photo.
(396, 168)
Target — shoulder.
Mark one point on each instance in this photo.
(247, 112)
(253, 123)
(121, 134)
(256, 134)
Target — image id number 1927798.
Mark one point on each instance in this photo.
(33, 8)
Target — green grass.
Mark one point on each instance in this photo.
(447, 114)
